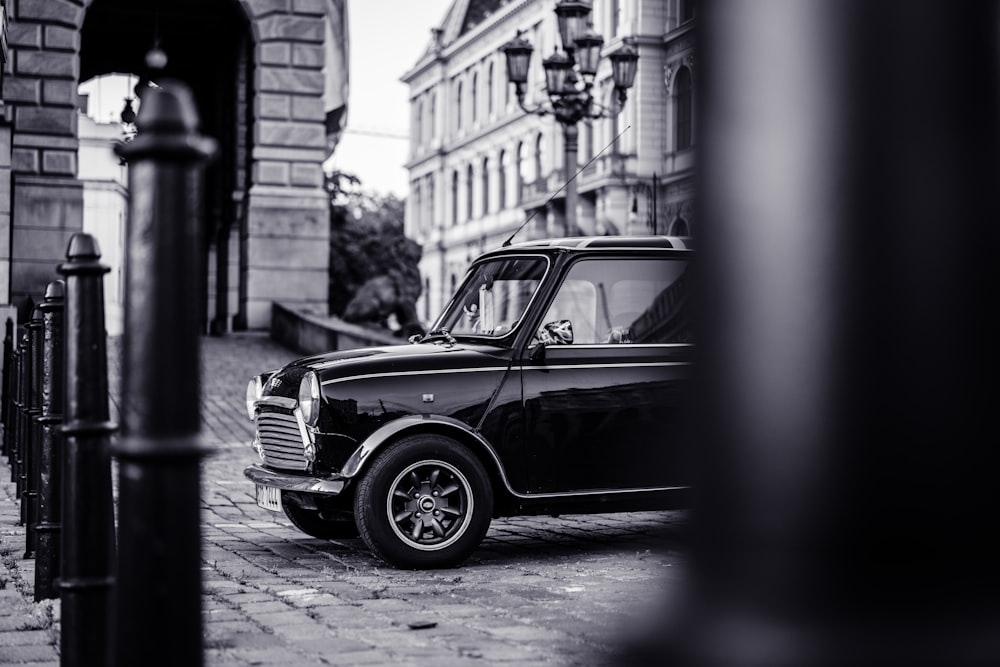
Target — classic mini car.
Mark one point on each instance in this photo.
(556, 381)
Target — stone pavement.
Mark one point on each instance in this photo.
(575, 590)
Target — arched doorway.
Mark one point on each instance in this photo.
(209, 46)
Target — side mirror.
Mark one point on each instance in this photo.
(537, 355)
(557, 332)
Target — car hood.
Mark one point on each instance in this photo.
(370, 361)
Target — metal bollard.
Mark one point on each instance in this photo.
(48, 531)
(14, 417)
(29, 491)
(159, 576)
(88, 538)
(22, 408)
(8, 351)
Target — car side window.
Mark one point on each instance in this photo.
(621, 301)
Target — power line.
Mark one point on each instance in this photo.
(378, 133)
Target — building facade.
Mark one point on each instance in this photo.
(483, 170)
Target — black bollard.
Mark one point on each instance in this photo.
(29, 491)
(24, 369)
(159, 576)
(8, 351)
(48, 531)
(14, 418)
(88, 539)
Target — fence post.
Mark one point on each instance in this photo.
(8, 351)
(159, 576)
(88, 540)
(29, 492)
(49, 527)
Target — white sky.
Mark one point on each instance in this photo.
(386, 38)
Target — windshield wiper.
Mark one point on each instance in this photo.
(438, 334)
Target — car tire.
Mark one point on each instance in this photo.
(425, 502)
(313, 523)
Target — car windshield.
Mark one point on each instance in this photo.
(494, 297)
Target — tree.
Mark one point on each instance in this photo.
(374, 274)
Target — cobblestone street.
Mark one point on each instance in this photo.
(572, 590)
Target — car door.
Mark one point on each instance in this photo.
(605, 388)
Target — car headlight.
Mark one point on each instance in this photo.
(254, 389)
(309, 398)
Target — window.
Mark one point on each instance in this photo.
(489, 90)
(468, 193)
(683, 110)
(494, 297)
(519, 171)
(611, 301)
(502, 177)
(486, 185)
(429, 189)
(454, 197)
(474, 95)
(458, 106)
(419, 123)
(538, 157)
(431, 129)
(688, 8)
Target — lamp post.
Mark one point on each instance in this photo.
(569, 80)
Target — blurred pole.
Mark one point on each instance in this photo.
(88, 535)
(8, 352)
(847, 500)
(49, 528)
(159, 577)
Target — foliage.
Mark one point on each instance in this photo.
(374, 272)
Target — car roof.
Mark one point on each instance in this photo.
(603, 242)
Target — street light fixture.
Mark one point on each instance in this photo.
(569, 79)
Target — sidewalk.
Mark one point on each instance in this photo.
(29, 631)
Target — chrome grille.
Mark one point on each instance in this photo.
(280, 440)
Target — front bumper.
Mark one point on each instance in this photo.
(300, 483)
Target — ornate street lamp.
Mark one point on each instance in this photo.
(569, 79)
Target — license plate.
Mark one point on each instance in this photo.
(268, 497)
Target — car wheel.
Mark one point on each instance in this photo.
(312, 522)
(425, 502)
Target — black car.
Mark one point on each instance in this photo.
(556, 381)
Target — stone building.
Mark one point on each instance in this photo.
(480, 167)
(269, 81)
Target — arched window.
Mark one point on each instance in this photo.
(679, 227)
(683, 109)
(486, 185)
(458, 105)
(454, 197)
(502, 178)
(468, 193)
(475, 94)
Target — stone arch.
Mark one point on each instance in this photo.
(259, 74)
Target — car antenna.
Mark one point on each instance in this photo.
(553, 196)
